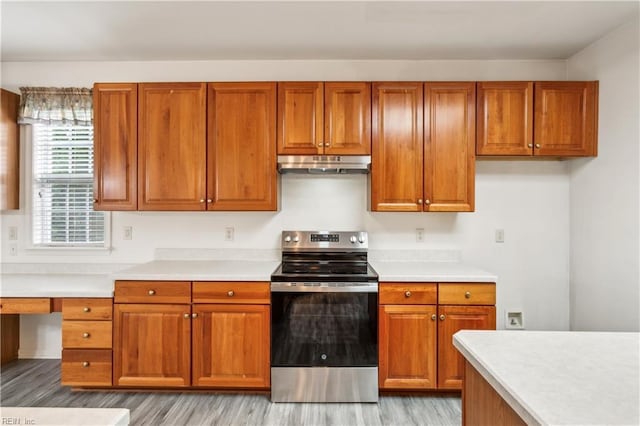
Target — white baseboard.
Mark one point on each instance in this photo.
(39, 354)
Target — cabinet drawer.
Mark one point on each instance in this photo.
(86, 334)
(153, 292)
(408, 294)
(26, 305)
(86, 367)
(466, 294)
(232, 292)
(87, 309)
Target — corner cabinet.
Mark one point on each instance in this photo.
(417, 322)
(423, 156)
(172, 146)
(115, 144)
(10, 149)
(330, 118)
(241, 145)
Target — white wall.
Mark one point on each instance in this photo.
(528, 199)
(605, 257)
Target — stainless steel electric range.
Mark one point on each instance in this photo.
(324, 319)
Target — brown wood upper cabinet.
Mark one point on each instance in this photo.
(115, 144)
(545, 118)
(172, 146)
(423, 147)
(241, 165)
(10, 148)
(324, 118)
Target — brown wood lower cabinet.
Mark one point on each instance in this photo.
(416, 329)
(231, 346)
(152, 345)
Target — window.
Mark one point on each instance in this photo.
(62, 192)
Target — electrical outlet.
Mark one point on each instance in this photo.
(420, 235)
(13, 233)
(514, 320)
(127, 233)
(13, 249)
(229, 232)
(499, 235)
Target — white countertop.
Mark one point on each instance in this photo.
(560, 378)
(56, 285)
(200, 270)
(430, 272)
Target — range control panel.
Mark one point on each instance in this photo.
(325, 240)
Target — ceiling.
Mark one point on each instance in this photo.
(213, 30)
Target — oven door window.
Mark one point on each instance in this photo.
(324, 329)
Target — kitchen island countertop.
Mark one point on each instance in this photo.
(560, 377)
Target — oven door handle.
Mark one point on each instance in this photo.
(278, 287)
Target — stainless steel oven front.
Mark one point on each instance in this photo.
(324, 341)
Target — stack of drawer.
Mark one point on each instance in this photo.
(87, 342)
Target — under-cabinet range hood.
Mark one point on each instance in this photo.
(324, 164)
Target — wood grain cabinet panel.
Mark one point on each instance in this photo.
(566, 118)
(152, 345)
(467, 294)
(10, 148)
(231, 346)
(87, 309)
(504, 120)
(408, 294)
(115, 146)
(242, 169)
(25, 305)
(86, 367)
(152, 292)
(449, 148)
(172, 146)
(232, 292)
(451, 320)
(397, 147)
(330, 118)
(86, 334)
(407, 347)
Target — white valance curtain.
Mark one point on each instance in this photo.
(56, 105)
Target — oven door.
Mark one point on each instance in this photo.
(324, 324)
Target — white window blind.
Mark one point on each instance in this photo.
(63, 213)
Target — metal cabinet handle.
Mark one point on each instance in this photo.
(433, 317)
(95, 200)
(85, 364)
(152, 292)
(419, 200)
(187, 316)
(194, 315)
(442, 317)
(86, 335)
(407, 293)
(427, 202)
(230, 293)
(209, 200)
(467, 295)
(86, 309)
(320, 144)
(530, 145)
(202, 200)
(327, 144)
(538, 145)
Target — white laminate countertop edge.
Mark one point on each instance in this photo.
(554, 377)
(412, 271)
(199, 270)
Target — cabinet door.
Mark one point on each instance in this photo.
(10, 149)
(347, 118)
(449, 149)
(504, 118)
(452, 319)
(231, 346)
(172, 146)
(566, 118)
(407, 347)
(242, 171)
(115, 145)
(152, 345)
(300, 118)
(396, 159)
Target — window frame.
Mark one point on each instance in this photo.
(29, 135)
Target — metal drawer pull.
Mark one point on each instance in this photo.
(320, 145)
(187, 316)
(85, 335)
(530, 145)
(230, 293)
(194, 315)
(86, 309)
(442, 317)
(407, 293)
(537, 145)
(152, 292)
(433, 317)
(85, 364)
(467, 295)
(427, 202)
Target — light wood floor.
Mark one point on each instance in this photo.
(36, 383)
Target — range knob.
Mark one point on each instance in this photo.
(361, 239)
(296, 239)
(353, 239)
(287, 239)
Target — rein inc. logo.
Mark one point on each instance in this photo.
(17, 421)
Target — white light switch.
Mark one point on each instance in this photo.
(127, 233)
(499, 235)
